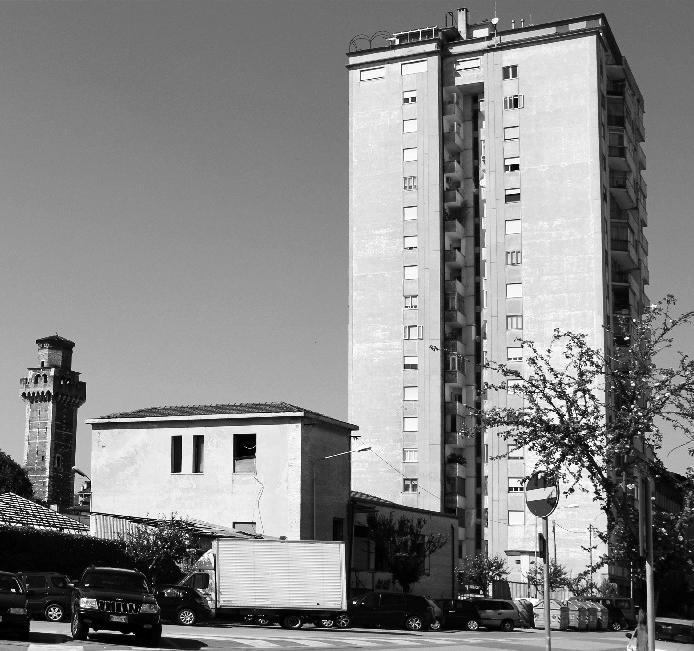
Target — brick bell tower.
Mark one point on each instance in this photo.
(52, 393)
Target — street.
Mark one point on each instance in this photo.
(47, 635)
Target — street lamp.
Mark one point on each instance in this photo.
(85, 492)
(330, 456)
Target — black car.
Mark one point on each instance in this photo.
(14, 615)
(114, 599)
(183, 604)
(459, 613)
(391, 610)
(620, 611)
(49, 594)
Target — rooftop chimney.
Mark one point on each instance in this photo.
(462, 22)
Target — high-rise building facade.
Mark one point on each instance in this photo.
(495, 193)
(52, 393)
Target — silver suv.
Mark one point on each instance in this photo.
(497, 613)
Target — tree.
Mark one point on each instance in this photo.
(158, 550)
(558, 577)
(402, 546)
(594, 419)
(13, 478)
(481, 570)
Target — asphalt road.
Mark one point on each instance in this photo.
(45, 636)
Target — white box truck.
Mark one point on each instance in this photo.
(290, 582)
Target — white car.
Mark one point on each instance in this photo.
(670, 635)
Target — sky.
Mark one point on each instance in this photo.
(173, 189)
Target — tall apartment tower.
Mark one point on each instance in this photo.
(495, 192)
(52, 393)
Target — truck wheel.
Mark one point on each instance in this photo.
(54, 612)
(78, 629)
(413, 623)
(342, 621)
(292, 622)
(186, 617)
(506, 626)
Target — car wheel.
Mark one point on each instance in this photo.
(186, 617)
(413, 623)
(78, 629)
(435, 625)
(506, 626)
(342, 621)
(54, 612)
(472, 625)
(616, 626)
(292, 622)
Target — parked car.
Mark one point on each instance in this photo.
(49, 594)
(621, 612)
(183, 604)
(14, 615)
(391, 610)
(114, 599)
(670, 635)
(498, 613)
(459, 613)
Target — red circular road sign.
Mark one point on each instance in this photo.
(541, 494)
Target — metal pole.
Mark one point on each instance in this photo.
(548, 636)
(314, 501)
(554, 537)
(590, 549)
(650, 593)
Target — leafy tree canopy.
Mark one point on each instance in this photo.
(481, 570)
(13, 478)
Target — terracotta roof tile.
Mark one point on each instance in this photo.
(19, 511)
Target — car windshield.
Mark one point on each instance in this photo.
(115, 581)
(8, 584)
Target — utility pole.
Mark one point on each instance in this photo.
(548, 636)
(554, 539)
(590, 548)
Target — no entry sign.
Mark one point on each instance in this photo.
(541, 494)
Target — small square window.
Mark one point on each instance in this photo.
(409, 97)
(514, 322)
(411, 362)
(514, 353)
(409, 183)
(411, 393)
(514, 290)
(513, 102)
(409, 213)
(409, 126)
(244, 527)
(409, 154)
(411, 272)
(512, 195)
(409, 455)
(512, 164)
(411, 302)
(516, 518)
(513, 257)
(511, 133)
(410, 242)
(409, 485)
(410, 424)
(510, 72)
(512, 226)
(413, 332)
(516, 484)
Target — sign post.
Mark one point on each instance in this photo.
(541, 498)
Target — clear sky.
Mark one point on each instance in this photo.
(173, 189)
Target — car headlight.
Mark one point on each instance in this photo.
(17, 611)
(88, 603)
(149, 609)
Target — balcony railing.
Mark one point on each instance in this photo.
(615, 151)
(615, 88)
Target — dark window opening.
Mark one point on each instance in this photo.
(244, 452)
(176, 453)
(338, 528)
(198, 452)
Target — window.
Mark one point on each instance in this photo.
(338, 528)
(372, 73)
(411, 272)
(513, 102)
(409, 182)
(410, 424)
(409, 485)
(513, 226)
(411, 302)
(410, 242)
(245, 527)
(514, 385)
(453, 362)
(514, 322)
(413, 332)
(409, 154)
(409, 213)
(176, 453)
(411, 362)
(36, 582)
(512, 195)
(513, 257)
(409, 126)
(409, 455)
(244, 452)
(58, 463)
(409, 97)
(514, 353)
(198, 452)
(413, 67)
(510, 72)
(467, 64)
(410, 393)
(512, 164)
(514, 290)
(511, 133)
(515, 484)
(516, 518)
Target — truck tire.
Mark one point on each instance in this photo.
(414, 623)
(292, 621)
(342, 621)
(78, 629)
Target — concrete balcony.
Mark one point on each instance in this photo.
(454, 378)
(453, 346)
(452, 168)
(455, 407)
(619, 158)
(453, 287)
(645, 276)
(453, 198)
(453, 139)
(452, 113)
(639, 157)
(455, 469)
(622, 189)
(622, 244)
(454, 439)
(453, 258)
(453, 227)
(452, 502)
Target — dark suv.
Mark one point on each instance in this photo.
(113, 599)
(459, 613)
(49, 593)
(14, 616)
(391, 610)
